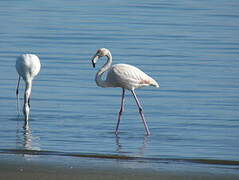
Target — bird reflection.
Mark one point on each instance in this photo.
(118, 145)
(26, 141)
(141, 149)
(27, 136)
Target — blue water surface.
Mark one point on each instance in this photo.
(190, 47)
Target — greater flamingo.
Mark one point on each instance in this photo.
(27, 66)
(124, 76)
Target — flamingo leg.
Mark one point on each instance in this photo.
(121, 111)
(17, 94)
(141, 112)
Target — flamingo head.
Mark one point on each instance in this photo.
(100, 53)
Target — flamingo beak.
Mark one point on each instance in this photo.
(93, 64)
(94, 60)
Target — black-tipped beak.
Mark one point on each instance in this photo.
(94, 60)
(93, 64)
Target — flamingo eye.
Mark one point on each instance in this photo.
(99, 52)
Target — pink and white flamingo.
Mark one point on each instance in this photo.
(124, 76)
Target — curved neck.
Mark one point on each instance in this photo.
(28, 89)
(26, 106)
(98, 78)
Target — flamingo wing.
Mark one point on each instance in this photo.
(129, 77)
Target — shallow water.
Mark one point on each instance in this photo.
(189, 47)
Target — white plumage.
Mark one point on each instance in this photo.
(27, 66)
(124, 76)
(129, 77)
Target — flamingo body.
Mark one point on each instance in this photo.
(128, 77)
(124, 76)
(27, 66)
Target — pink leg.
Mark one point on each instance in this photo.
(141, 112)
(120, 112)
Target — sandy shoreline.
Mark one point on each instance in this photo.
(15, 169)
(14, 172)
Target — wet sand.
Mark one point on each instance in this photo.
(28, 170)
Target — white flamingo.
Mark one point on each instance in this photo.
(27, 66)
(124, 76)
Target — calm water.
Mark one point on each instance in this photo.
(190, 47)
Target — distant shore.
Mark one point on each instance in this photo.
(28, 170)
